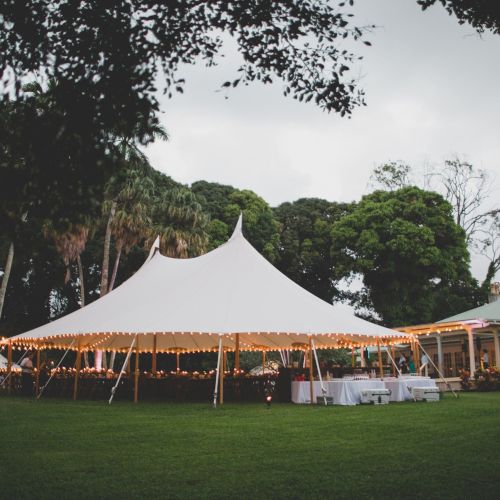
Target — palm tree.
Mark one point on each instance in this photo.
(181, 224)
(132, 221)
(70, 243)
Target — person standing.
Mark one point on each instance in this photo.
(486, 359)
(411, 363)
(425, 365)
(27, 375)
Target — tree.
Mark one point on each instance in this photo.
(70, 243)
(181, 223)
(411, 254)
(304, 253)
(483, 15)
(392, 175)
(119, 53)
(224, 205)
(467, 189)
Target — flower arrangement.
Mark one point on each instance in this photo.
(487, 379)
(465, 380)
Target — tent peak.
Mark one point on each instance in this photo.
(238, 229)
(154, 248)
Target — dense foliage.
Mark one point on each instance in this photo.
(410, 253)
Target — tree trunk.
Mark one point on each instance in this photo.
(115, 267)
(107, 244)
(6, 274)
(80, 277)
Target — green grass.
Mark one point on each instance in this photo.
(60, 449)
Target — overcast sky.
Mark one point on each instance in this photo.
(431, 88)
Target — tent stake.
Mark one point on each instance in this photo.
(437, 370)
(55, 369)
(323, 390)
(127, 359)
(217, 371)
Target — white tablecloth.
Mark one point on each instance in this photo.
(399, 387)
(344, 392)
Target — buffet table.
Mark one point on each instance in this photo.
(400, 387)
(344, 392)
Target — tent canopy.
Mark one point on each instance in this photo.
(185, 305)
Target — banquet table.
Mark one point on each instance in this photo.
(400, 387)
(344, 392)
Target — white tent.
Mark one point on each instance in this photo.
(4, 363)
(186, 305)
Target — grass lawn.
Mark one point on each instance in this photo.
(60, 449)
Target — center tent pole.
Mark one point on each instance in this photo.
(37, 377)
(311, 372)
(381, 369)
(323, 390)
(263, 362)
(9, 367)
(122, 371)
(55, 369)
(237, 353)
(221, 379)
(77, 372)
(217, 371)
(153, 356)
(136, 374)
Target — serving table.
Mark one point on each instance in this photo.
(344, 392)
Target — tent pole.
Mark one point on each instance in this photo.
(177, 362)
(37, 377)
(153, 358)
(55, 369)
(393, 349)
(237, 353)
(217, 372)
(77, 372)
(125, 363)
(136, 374)
(437, 370)
(381, 368)
(323, 390)
(263, 362)
(9, 367)
(311, 372)
(221, 379)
